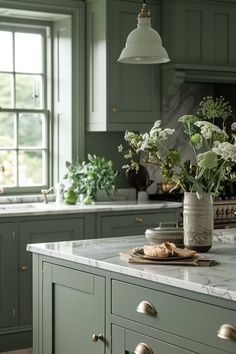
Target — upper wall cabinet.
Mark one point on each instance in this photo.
(119, 96)
(200, 32)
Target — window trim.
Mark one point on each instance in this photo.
(76, 10)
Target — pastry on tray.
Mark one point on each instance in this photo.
(167, 249)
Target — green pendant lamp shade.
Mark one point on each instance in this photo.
(144, 44)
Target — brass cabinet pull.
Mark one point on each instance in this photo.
(143, 348)
(96, 337)
(227, 332)
(23, 268)
(114, 109)
(139, 220)
(147, 308)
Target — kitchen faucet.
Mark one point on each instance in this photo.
(45, 194)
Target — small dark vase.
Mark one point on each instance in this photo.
(138, 179)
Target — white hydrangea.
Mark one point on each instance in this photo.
(226, 150)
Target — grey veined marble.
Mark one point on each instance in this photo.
(219, 280)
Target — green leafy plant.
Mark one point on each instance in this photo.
(89, 177)
(214, 150)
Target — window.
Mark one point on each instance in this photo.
(24, 114)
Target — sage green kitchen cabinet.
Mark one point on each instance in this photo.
(200, 32)
(73, 311)
(119, 96)
(132, 222)
(36, 231)
(8, 275)
(16, 268)
(75, 304)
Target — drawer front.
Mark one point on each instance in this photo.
(128, 342)
(184, 317)
(132, 224)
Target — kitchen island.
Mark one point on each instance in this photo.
(34, 222)
(88, 300)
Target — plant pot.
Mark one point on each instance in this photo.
(198, 221)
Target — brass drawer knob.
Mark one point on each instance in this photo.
(96, 337)
(143, 348)
(114, 109)
(227, 332)
(23, 268)
(147, 308)
(139, 220)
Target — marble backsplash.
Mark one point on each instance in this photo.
(185, 101)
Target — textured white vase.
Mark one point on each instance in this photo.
(198, 221)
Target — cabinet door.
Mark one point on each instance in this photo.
(36, 231)
(8, 276)
(132, 224)
(128, 342)
(119, 96)
(134, 95)
(73, 310)
(200, 32)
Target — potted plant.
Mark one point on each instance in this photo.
(87, 178)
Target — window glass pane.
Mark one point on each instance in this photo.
(8, 160)
(7, 129)
(28, 91)
(30, 168)
(6, 92)
(28, 53)
(31, 129)
(6, 57)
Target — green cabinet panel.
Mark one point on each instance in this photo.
(120, 96)
(131, 223)
(36, 231)
(125, 341)
(8, 276)
(200, 32)
(73, 311)
(170, 309)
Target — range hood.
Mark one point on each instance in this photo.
(174, 75)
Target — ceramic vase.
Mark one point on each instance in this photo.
(198, 221)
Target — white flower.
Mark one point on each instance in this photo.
(233, 126)
(207, 129)
(226, 150)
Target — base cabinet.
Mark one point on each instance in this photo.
(8, 276)
(80, 309)
(132, 223)
(36, 231)
(73, 317)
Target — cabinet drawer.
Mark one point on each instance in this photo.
(132, 224)
(191, 319)
(126, 341)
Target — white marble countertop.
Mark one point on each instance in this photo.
(16, 209)
(219, 280)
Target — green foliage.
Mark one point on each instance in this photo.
(214, 150)
(89, 177)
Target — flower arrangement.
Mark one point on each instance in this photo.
(214, 149)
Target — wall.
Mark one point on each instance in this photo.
(105, 144)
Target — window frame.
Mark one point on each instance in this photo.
(26, 26)
(52, 10)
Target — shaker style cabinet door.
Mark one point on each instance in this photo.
(36, 231)
(119, 96)
(73, 311)
(8, 276)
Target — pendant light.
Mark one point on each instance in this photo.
(144, 44)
